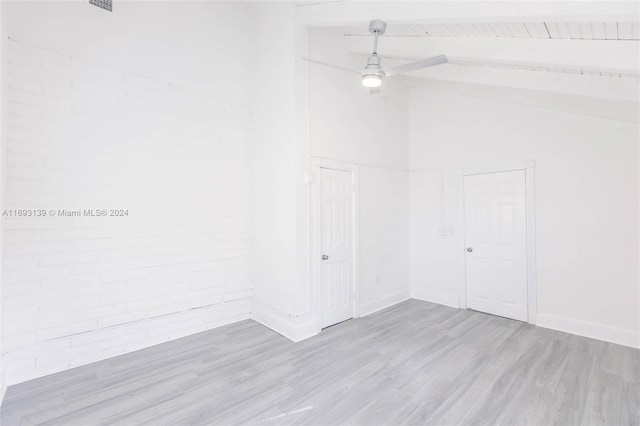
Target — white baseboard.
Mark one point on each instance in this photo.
(592, 330)
(282, 323)
(297, 329)
(279, 321)
(377, 305)
(607, 333)
(440, 298)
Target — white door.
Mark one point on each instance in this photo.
(336, 283)
(495, 239)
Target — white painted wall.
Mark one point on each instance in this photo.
(586, 179)
(279, 162)
(433, 269)
(273, 158)
(146, 109)
(384, 238)
(348, 124)
(3, 382)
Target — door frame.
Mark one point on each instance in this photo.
(529, 168)
(317, 164)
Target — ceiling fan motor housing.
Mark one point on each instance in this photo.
(373, 60)
(377, 26)
(373, 66)
(373, 74)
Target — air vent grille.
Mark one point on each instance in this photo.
(103, 4)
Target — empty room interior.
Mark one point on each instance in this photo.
(320, 212)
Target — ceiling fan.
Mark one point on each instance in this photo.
(373, 72)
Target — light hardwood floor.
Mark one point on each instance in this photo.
(414, 363)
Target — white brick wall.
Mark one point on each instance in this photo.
(85, 136)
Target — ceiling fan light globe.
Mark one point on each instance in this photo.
(371, 80)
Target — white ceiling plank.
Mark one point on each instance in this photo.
(559, 82)
(399, 29)
(574, 30)
(445, 29)
(543, 30)
(611, 30)
(442, 30)
(479, 28)
(525, 30)
(361, 12)
(585, 29)
(518, 30)
(490, 30)
(493, 29)
(410, 29)
(504, 29)
(577, 53)
(466, 30)
(536, 29)
(554, 30)
(449, 30)
(433, 29)
(459, 30)
(416, 29)
(423, 29)
(496, 89)
(564, 29)
(548, 68)
(626, 31)
(598, 31)
(427, 29)
(483, 29)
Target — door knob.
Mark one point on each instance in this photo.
(469, 249)
(325, 257)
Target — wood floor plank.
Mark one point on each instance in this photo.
(458, 408)
(413, 363)
(568, 399)
(529, 402)
(629, 404)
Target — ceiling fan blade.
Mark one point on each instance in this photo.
(417, 65)
(313, 61)
(374, 90)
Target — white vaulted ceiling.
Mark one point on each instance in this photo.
(595, 38)
(544, 30)
(586, 49)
